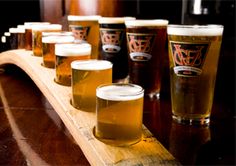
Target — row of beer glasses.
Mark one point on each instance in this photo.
(135, 49)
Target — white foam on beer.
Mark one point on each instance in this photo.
(120, 93)
(72, 49)
(58, 39)
(61, 33)
(195, 30)
(114, 20)
(46, 27)
(3, 39)
(16, 30)
(7, 34)
(156, 22)
(28, 25)
(83, 18)
(91, 64)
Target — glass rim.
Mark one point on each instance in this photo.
(139, 93)
(195, 30)
(146, 22)
(99, 64)
(114, 20)
(72, 49)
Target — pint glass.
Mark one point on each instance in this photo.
(13, 38)
(193, 52)
(28, 33)
(37, 36)
(86, 28)
(113, 44)
(146, 40)
(21, 36)
(49, 39)
(86, 76)
(65, 54)
(119, 114)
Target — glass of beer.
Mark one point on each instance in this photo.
(65, 54)
(21, 36)
(13, 38)
(86, 76)
(193, 52)
(86, 28)
(49, 39)
(119, 114)
(146, 40)
(28, 33)
(113, 44)
(37, 36)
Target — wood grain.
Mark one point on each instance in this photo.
(149, 151)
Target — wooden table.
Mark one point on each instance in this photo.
(31, 130)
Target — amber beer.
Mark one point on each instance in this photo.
(86, 28)
(113, 44)
(86, 76)
(193, 53)
(119, 114)
(28, 33)
(37, 36)
(146, 40)
(49, 39)
(65, 54)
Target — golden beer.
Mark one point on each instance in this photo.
(87, 75)
(119, 114)
(86, 28)
(37, 36)
(65, 54)
(193, 52)
(146, 40)
(28, 33)
(49, 40)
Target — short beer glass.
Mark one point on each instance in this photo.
(193, 52)
(146, 40)
(86, 76)
(119, 114)
(65, 54)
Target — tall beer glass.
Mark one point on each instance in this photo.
(86, 76)
(113, 44)
(86, 28)
(119, 114)
(28, 33)
(65, 54)
(146, 40)
(13, 38)
(193, 52)
(49, 39)
(21, 36)
(37, 36)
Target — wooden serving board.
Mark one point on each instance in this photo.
(149, 151)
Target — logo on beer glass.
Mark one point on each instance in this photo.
(111, 39)
(140, 46)
(188, 58)
(80, 32)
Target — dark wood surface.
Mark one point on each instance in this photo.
(32, 133)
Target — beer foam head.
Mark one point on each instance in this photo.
(137, 23)
(16, 30)
(61, 33)
(195, 30)
(46, 27)
(3, 39)
(7, 34)
(73, 49)
(58, 39)
(114, 20)
(28, 25)
(91, 64)
(83, 18)
(120, 92)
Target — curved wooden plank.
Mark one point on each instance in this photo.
(80, 124)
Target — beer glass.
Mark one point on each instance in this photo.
(13, 38)
(86, 28)
(49, 39)
(7, 44)
(113, 44)
(146, 40)
(65, 54)
(119, 114)
(86, 76)
(28, 33)
(21, 37)
(193, 52)
(37, 36)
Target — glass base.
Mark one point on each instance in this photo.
(190, 121)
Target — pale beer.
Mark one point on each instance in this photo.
(193, 52)
(86, 76)
(119, 114)
(65, 54)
